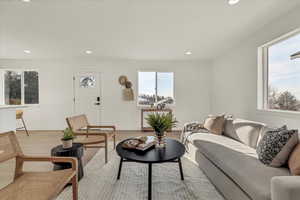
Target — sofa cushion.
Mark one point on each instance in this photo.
(276, 145)
(215, 124)
(294, 161)
(239, 162)
(243, 131)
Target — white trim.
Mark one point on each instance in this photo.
(280, 113)
(282, 38)
(22, 88)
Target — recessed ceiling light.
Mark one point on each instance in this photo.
(88, 52)
(27, 51)
(232, 2)
(26, 1)
(188, 53)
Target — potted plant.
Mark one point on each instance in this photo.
(161, 123)
(67, 139)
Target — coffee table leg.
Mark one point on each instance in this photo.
(180, 169)
(120, 168)
(150, 182)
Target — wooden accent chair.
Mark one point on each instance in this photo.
(34, 185)
(94, 135)
(19, 115)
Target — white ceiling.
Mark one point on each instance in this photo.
(130, 29)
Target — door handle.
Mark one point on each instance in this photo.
(97, 101)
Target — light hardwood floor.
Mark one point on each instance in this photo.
(40, 143)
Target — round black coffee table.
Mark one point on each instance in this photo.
(173, 151)
(75, 151)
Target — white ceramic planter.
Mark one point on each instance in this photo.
(67, 144)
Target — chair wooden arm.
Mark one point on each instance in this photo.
(72, 161)
(91, 134)
(95, 126)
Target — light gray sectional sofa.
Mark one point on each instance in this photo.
(230, 162)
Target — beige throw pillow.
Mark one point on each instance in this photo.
(294, 161)
(215, 124)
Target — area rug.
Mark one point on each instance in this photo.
(100, 181)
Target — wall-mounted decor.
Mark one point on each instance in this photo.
(128, 94)
(123, 80)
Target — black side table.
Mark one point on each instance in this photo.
(75, 151)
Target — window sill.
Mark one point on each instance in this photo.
(19, 106)
(167, 106)
(280, 113)
(12, 106)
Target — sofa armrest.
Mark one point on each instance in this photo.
(189, 129)
(285, 188)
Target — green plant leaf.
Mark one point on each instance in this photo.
(68, 134)
(161, 122)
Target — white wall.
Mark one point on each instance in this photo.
(235, 75)
(192, 90)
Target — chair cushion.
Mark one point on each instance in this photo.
(239, 162)
(37, 185)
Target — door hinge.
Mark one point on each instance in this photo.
(74, 99)
(73, 78)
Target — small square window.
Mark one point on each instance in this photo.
(155, 87)
(87, 82)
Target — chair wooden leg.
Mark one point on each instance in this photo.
(25, 126)
(114, 141)
(75, 187)
(106, 149)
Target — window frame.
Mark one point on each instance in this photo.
(22, 71)
(156, 71)
(263, 74)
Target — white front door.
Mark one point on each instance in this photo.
(87, 95)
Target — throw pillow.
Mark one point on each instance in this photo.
(294, 161)
(276, 145)
(215, 124)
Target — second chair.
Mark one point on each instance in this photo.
(94, 135)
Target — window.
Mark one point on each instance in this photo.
(87, 81)
(31, 87)
(154, 87)
(20, 87)
(281, 74)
